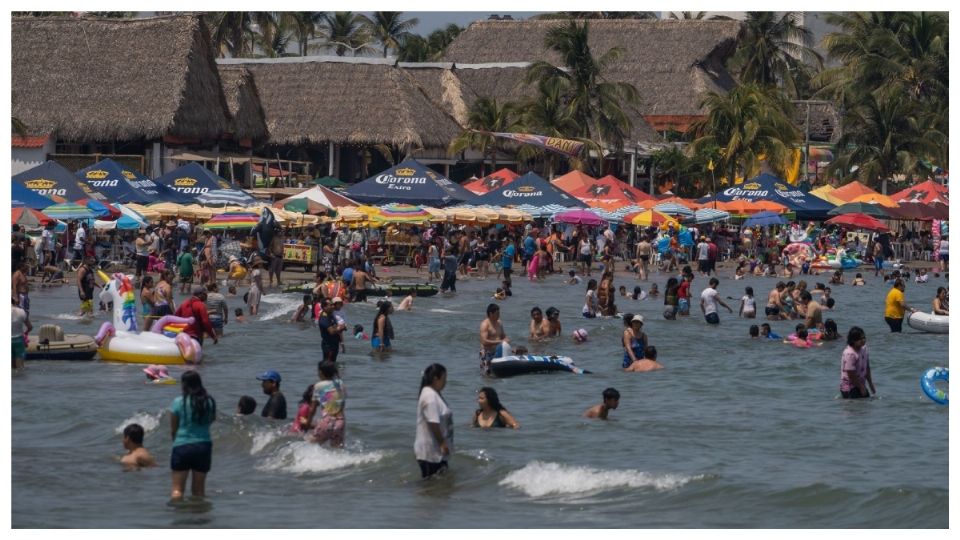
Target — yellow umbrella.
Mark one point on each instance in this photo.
(148, 213)
(512, 215)
(825, 193)
(166, 209)
(650, 217)
(195, 211)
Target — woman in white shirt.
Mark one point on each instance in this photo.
(434, 441)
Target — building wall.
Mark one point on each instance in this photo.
(23, 159)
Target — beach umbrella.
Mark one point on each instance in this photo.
(926, 192)
(306, 206)
(494, 180)
(826, 193)
(649, 217)
(330, 182)
(852, 190)
(874, 210)
(764, 219)
(29, 218)
(68, 211)
(578, 217)
(225, 197)
(402, 213)
(24, 196)
(101, 209)
(233, 220)
(673, 209)
(144, 212)
(710, 215)
(919, 211)
(859, 221)
(875, 198)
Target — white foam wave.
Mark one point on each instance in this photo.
(261, 439)
(539, 479)
(148, 421)
(280, 305)
(303, 457)
(441, 310)
(67, 316)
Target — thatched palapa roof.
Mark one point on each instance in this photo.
(346, 100)
(672, 63)
(442, 86)
(243, 103)
(116, 79)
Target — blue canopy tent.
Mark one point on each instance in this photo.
(24, 196)
(532, 190)
(767, 187)
(125, 185)
(410, 182)
(52, 179)
(192, 180)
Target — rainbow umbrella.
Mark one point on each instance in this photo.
(67, 211)
(402, 213)
(233, 220)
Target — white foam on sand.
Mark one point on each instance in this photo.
(303, 457)
(279, 305)
(147, 421)
(539, 479)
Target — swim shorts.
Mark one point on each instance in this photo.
(428, 468)
(712, 318)
(375, 342)
(853, 393)
(330, 428)
(896, 325)
(19, 348)
(191, 457)
(772, 311)
(684, 306)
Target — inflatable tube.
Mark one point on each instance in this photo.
(928, 383)
(264, 230)
(175, 323)
(189, 348)
(106, 330)
(508, 366)
(928, 322)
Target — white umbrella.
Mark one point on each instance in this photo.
(710, 215)
(226, 197)
(673, 209)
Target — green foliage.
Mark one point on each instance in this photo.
(486, 116)
(389, 28)
(772, 49)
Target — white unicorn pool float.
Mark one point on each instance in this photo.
(121, 340)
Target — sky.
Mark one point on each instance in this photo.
(433, 20)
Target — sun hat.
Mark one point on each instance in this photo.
(637, 318)
(269, 375)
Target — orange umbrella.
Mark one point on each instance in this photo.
(770, 206)
(876, 198)
(649, 217)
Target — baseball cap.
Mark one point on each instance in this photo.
(197, 289)
(269, 375)
(637, 318)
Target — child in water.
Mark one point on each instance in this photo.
(358, 332)
(500, 294)
(858, 280)
(754, 331)
(137, 456)
(246, 405)
(830, 332)
(748, 305)
(766, 332)
(574, 278)
(305, 307)
(238, 315)
(653, 292)
(301, 422)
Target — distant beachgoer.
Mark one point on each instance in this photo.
(648, 362)
(86, 283)
(830, 332)
(858, 280)
(774, 302)
(709, 299)
(491, 336)
(754, 331)
(137, 457)
(276, 406)
(941, 304)
(553, 322)
(304, 308)
(193, 412)
(766, 332)
(406, 304)
(492, 414)
(21, 326)
(239, 316)
(896, 307)
(574, 278)
(591, 305)
(855, 372)
(329, 396)
(256, 287)
(671, 299)
(246, 405)
(748, 305)
(683, 294)
(382, 335)
(634, 340)
(611, 400)
(434, 439)
(302, 422)
(539, 328)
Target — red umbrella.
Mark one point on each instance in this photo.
(860, 221)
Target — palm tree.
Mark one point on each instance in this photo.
(275, 43)
(345, 30)
(547, 113)
(19, 127)
(304, 25)
(598, 105)
(414, 48)
(749, 123)
(441, 38)
(772, 48)
(486, 116)
(389, 28)
(697, 16)
(237, 33)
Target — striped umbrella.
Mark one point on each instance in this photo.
(68, 210)
(29, 218)
(709, 215)
(402, 213)
(673, 209)
(233, 220)
(226, 196)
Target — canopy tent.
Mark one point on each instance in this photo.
(125, 185)
(919, 211)
(494, 180)
(825, 192)
(764, 219)
(530, 190)
(321, 195)
(52, 179)
(29, 218)
(24, 196)
(330, 182)
(770, 188)
(609, 193)
(710, 215)
(859, 221)
(217, 197)
(573, 181)
(875, 198)
(873, 210)
(409, 182)
(673, 209)
(925, 192)
(848, 192)
(192, 180)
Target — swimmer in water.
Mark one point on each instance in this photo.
(246, 405)
(611, 400)
(305, 307)
(499, 294)
(830, 332)
(553, 321)
(858, 281)
(647, 363)
(766, 332)
(754, 331)
(574, 278)
(653, 292)
(238, 315)
(137, 457)
(539, 328)
(406, 304)
(491, 413)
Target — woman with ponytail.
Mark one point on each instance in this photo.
(193, 412)
(434, 440)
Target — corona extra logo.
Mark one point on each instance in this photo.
(184, 182)
(751, 186)
(406, 171)
(391, 179)
(97, 175)
(523, 191)
(40, 183)
(104, 183)
(129, 175)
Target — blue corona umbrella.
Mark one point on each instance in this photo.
(24, 196)
(409, 182)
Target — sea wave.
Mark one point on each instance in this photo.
(539, 479)
(279, 305)
(148, 421)
(302, 457)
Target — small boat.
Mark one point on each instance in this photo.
(53, 344)
(301, 288)
(508, 366)
(928, 322)
(404, 289)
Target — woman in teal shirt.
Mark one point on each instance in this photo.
(193, 412)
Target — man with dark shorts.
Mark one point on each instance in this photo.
(491, 336)
(709, 300)
(774, 302)
(331, 333)
(896, 307)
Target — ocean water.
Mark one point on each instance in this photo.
(733, 433)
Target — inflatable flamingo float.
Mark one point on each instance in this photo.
(120, 341)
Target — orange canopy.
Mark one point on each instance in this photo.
(876, 198)
(851, 191)
(610, 194)
(494, 180)
(573, 180)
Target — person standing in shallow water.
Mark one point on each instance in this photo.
(855, 372)
(193, 412)
(434, 440)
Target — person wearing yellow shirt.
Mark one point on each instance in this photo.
(896, 307)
